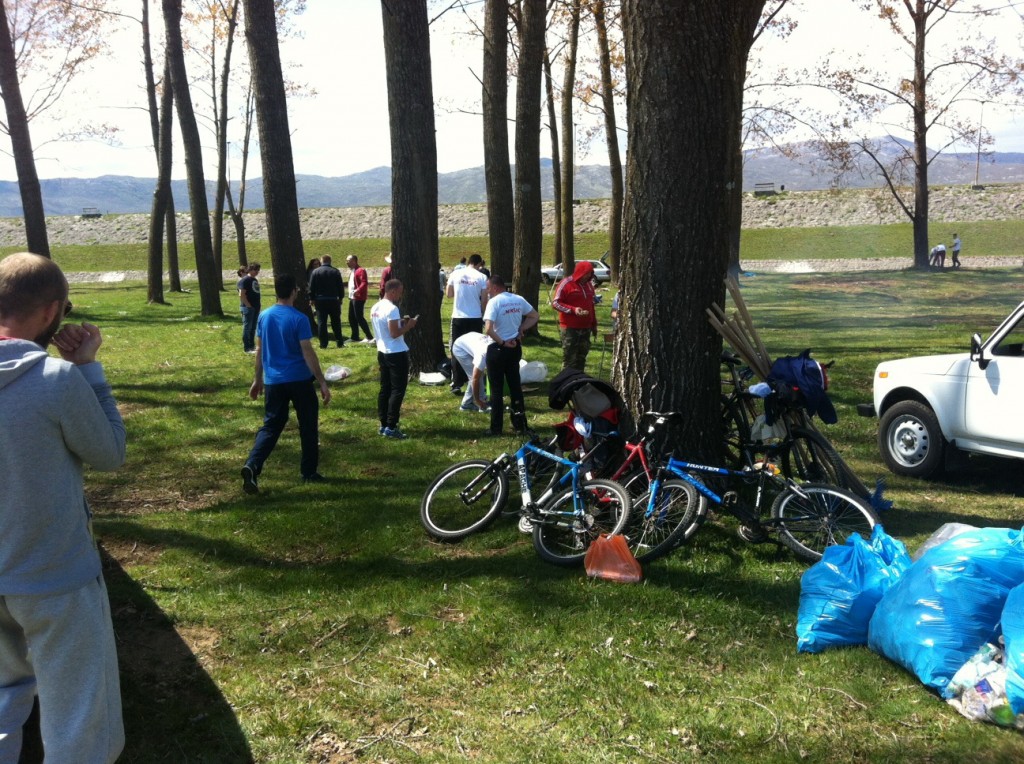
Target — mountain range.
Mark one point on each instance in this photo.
(799, 168)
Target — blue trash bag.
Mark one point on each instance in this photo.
(1013, 635)
(948, 604)
(839, 593)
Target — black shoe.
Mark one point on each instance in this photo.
(316, 477)
(249, 484)
(456, 390)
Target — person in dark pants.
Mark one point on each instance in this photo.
(392, 357)
(326, 287)
(249, 299)
(468, 289)
(358, 287)
(286, 366)
(507, 317)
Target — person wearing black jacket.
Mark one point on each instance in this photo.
(327, 288)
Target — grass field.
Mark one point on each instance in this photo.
(318, 623)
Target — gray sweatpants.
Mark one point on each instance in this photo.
(62, 648)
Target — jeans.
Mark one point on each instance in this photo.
(356, 319)
(249, 316)
(301, 395)
(394, 378)
(329, 309)
(462, 326)
(502, 366)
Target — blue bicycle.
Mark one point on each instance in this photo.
(805, 517)
(568, 516)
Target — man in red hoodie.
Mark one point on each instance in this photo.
(577, 319)
(358, 287)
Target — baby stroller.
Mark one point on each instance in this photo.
(592, 427)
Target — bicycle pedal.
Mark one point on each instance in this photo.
(730, 498)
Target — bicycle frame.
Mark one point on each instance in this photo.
(534, 509)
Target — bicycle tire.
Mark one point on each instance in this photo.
(809, 456)
(735, 433)
(813, 516)
(563, 540)
(449, 515)
(654, 536)
(637, 483)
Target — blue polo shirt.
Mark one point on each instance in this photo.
(281, 328)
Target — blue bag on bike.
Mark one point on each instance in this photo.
(839, 593)
(799, 380)
(1013, 636)
(948, 604)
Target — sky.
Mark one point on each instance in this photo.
(343, 128)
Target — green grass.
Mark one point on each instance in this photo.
(319, 623)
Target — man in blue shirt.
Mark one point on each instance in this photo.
(286, 366)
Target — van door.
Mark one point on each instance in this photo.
(994, 412)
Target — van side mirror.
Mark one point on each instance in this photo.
(976, 353)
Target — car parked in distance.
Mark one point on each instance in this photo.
(601, 273)
(973, 402)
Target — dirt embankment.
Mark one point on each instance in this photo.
(791, 209)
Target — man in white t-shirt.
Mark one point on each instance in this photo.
(468, 288)
(507, 317)
(392, 357)
(470, 351)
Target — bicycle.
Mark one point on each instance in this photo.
(806, 518)
(800, 451)
(564, 520)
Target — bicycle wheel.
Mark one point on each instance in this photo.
(652, 535)
(812, 516)
(736, 433)
(463, 499)
(637, 483)
(810, 457)
(563, 532)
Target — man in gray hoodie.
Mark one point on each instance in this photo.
(56, 636)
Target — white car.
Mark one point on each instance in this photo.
(552, 274)
(973, 402)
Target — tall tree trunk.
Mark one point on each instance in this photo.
(21, 146)
(164, 143)
(686, 62)
(237, 214)
(569, 141)
(279, 197)
(529, 221)
(611, 138)
(171, 229)
(221, 120)
(556, 163)
(497, 170)
(414, 244)
(206, 268)
(920, 223)
(155, 261)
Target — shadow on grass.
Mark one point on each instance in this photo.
(186, 718)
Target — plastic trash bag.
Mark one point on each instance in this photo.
(609, 558)
(1013, 635)
(838, 594)
(948, 604)
(532, 372)
(978, 689)
(337, 373)
(945, 532)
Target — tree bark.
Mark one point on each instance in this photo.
(920, 222)
(529, 221)
(569, 141)
(284, 232)
(21, 146)
(556, 162)
(686, 62)
(611, 138)
(206, 267)
(497, 170)
(414, 245)
(221, 122)
(163, 142)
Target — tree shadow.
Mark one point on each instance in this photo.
(173, 710)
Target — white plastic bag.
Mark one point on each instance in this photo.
(532, 372)
(337, 373)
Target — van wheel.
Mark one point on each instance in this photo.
(911, 441)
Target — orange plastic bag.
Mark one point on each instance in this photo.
(609, 558)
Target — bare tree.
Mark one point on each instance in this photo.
(21, 146)
(206, 266)
(931, 99)
(556, 161)
(686, 62)
(568, 138)
(497, 169)
(529, 223)
(598, 10)
(282, 207)
(414, 244)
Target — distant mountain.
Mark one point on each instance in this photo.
(804, 171)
